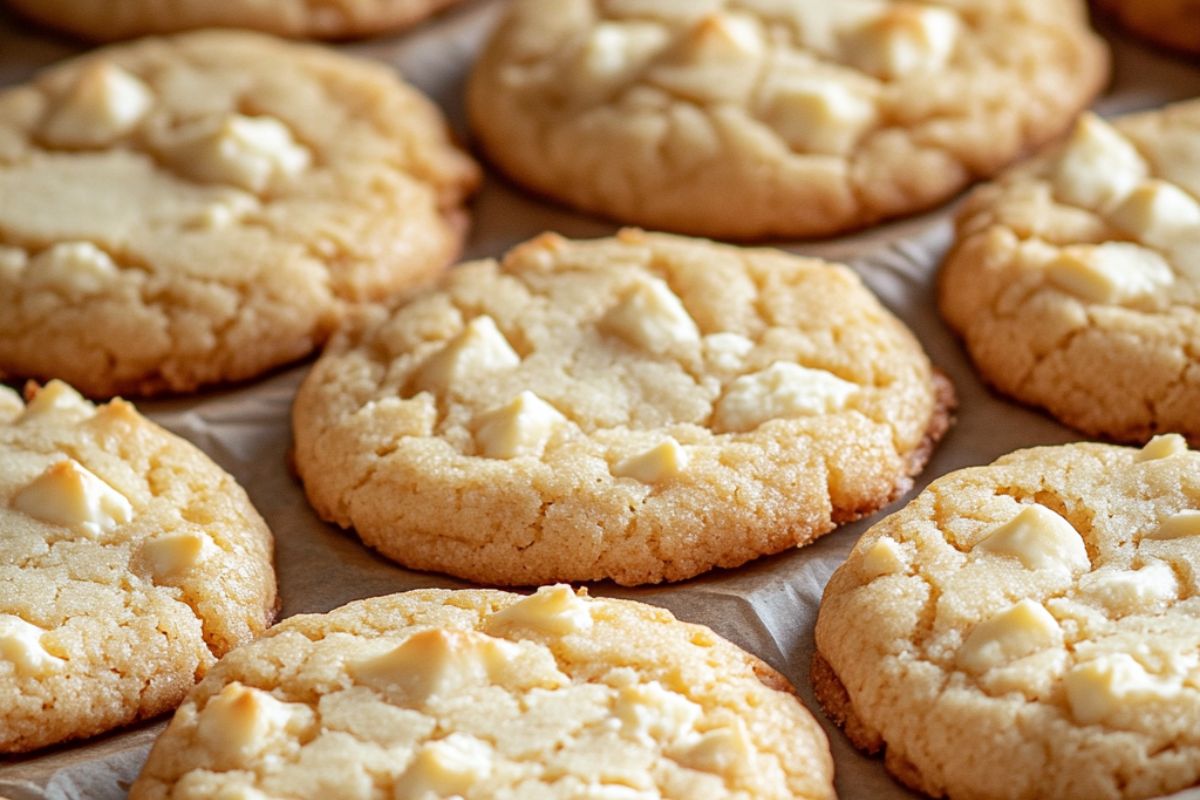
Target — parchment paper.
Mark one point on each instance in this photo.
(768, 607)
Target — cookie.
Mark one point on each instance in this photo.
(106, 20)
(203, 208)
(1028, 629)
(1075, 279)
(756, 120)
(482, 694)
(129, 563)
(641, 408)
(1171, 23)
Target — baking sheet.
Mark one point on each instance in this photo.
(768, 607)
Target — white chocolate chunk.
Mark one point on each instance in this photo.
(1156, 211)
(614, 50)
(21, 645)
(553, 609)
(727, 351)
(1113, 272)
(444, 768)
(248, 152)
(883, 557)
(781, 390)
(821, 116)
(479, 349)
(721, 36)
(1125, 591)
(1098, 688)
(54, 401)
(1177, 526)
(906, 38)
(520, 428)
(652, 317)
(1165, 446)
(718, 59)
(240, 793)
(72, 268)
(649, 713)
(1040, 538)
(104, 104)
(232, 208)
(661, 462)
(242, 721)
(721, 751)
(1016, 632)
(433, 664)
(1099, 166)
(69, 494)
(177, 552)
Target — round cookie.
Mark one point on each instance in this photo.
(1028, 629)
(761, 119)
(206, 207)
(641, 408)
(1171, 23)
(480, 694)
(106, 20)
(1075, 279)
(129, 563)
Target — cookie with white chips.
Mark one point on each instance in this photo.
(483, 694)
(129, 563)
(641, 408)
(1028, 629)
(1075, 279)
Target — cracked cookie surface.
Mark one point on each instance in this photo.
(203, 208)
(641, 408)
(753, 119)
(1173, 23)
(1075, 279)
(484, 694)
(327, 19)
(1028, 629)
(129, 563)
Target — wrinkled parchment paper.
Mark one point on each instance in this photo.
(768, 607)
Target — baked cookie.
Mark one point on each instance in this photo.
(763, 119)
(129, 563)
(1171, 23)
(1028, 629)
(203, 208)
(1075, 279)
(106, 20)
(641, 408)
(484, 694)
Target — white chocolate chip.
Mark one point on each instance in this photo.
(652, 317)
(444, 768)
(1165, 446)
(1156, 211)
(718, 59)
(56, 400)
(242, 721)
(104, 104)
(177, 552)
(1099, 166)
(721, 751)
(248, 152)
(727, 351)
(479, 349)
(661, 462)
(232, 208)
(884, 557)
(1125, 591)
(820, 116)
(1016, 632)
(1113, 272)
(721, 36)
(782, 390)
(1040, 538)
(1098, 688)
(614, 50)
(1177, 526)
(21, 645)
(73, 268)
(553, 609)
(650, 714)
(69, 494)
(520, 428)
(907, 38)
